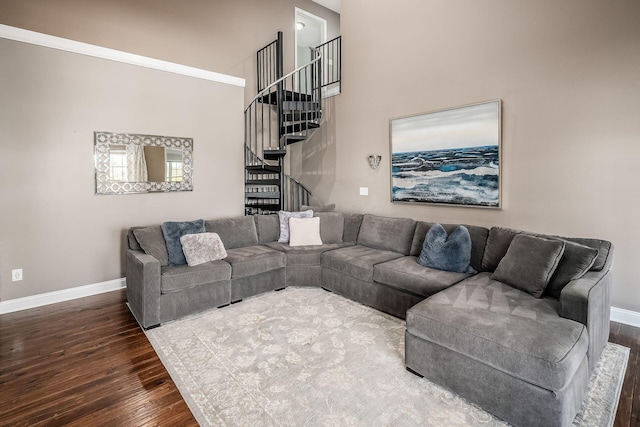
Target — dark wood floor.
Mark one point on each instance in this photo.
(87, 363)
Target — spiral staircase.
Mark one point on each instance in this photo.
(286, 110)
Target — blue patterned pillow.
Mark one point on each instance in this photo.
(448, 253)
(173, 231)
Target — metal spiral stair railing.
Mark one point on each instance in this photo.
(286, 110)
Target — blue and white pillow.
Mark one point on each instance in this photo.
(284, 222)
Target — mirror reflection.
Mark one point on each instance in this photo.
(131, 163)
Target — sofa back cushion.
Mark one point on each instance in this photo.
(604, 247)
(268, 228)
(478, 240)
(132, 242)
(319, 208)
(331, 226)
(236, 232)
(151, 241)
(391, 234)
(498, 243)
(352, 223)
(500, 239)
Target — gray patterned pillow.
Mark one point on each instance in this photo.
(202, 247)
(284, 222)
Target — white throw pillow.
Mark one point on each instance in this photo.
(284, 222)
(304, 232)
(202, 247)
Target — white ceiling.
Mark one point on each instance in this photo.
(330, 4)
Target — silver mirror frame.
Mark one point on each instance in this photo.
(103, 141)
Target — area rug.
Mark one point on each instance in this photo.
(307, 357)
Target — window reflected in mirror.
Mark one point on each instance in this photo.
(132, 163)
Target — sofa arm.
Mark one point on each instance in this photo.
(587, 300)
(143, 287)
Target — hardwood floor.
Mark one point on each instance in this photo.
(629, 406)
(88, 363)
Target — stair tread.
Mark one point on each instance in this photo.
(299, 127)
(298, 116)
(292, 139)
(262, 182)
(272, 97)
(269, 207)
(274, 154)
(262, 195)
(263, 169)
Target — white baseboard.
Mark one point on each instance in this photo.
(34, 301)
(627, 317)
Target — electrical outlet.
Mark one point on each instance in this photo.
(364, 191)
(16, 275)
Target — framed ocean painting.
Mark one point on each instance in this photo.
(449, 157)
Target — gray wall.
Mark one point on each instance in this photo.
(569, 77)
(220, 35)
(53, 226)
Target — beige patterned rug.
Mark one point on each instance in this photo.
(307, 357)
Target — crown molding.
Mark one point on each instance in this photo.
(40, 39)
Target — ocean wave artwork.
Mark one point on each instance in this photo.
(463, 176)
(448, 157)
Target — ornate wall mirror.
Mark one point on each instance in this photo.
(131, 163)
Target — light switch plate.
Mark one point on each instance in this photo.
(364, 191)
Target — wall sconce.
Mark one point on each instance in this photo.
(374, 161)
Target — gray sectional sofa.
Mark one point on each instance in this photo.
(527, 359)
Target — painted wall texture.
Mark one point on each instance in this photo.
(53, 225)
(55, 228)
(568, 74)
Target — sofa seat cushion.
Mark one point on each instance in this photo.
(357, 261)
(504, 328)
(178, 277)
(305, 255)
(253, 260)
(405, 273)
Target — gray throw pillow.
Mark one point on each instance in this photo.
(319, 208)
(284, 222)
(447, 252)
(152, 242)
(529, 263)
(575, 262)
(202, 247)
(331, 226)
(173, 231)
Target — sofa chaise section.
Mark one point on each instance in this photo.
(525, 359)
(501, 348)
